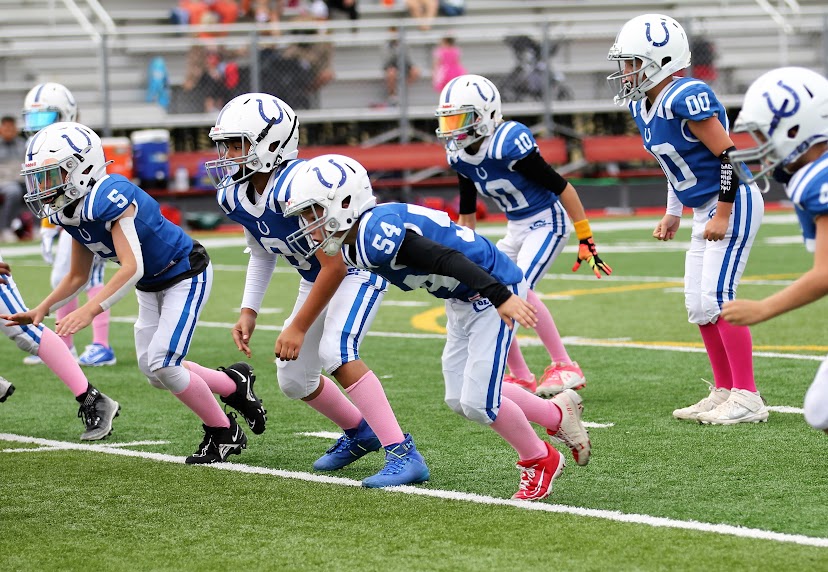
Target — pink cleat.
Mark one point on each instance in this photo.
(537, 475)
(529, 385)
(560, 376)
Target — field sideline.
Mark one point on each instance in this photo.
(658, 494)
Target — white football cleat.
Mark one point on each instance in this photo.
(718, 395)
(742, 406)
(572, 431)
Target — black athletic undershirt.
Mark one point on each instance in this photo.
(424, 254)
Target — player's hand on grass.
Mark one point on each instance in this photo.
(243, 330)
(743, 312)
(516, 309)
(588, 252)
(667, 227)
(289, 343)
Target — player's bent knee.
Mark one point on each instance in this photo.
(472, 412)
(454, 405)
(27, 344)
(816, 400)
(176, 378)
(156, 383)
(296, 387)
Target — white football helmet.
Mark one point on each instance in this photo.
(45, 104)
(660, 45)
(268, 129)
(329, 192)
(786, 112)
(63, 162)
(469, 110)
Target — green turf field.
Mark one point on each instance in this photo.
(658, 494)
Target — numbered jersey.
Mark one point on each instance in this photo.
(263, 220)
(490, 169)
(165, 247)
(692, 170)
(808, 191)
(382, 230)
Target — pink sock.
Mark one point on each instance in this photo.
(56, 356)
(516, 362)
(717, 355)
(100, 324)
(541, 411)
(547, 330)
(218, 381)
(198, 397)
(333, 404)
(61, 313)
(512, 425)
(369, 397)
(738, 344)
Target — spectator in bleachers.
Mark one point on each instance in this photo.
(205, 79)
(316, 58)
(446, 64)
(452, 7)
(390, 66)
(423, 10)
(12, 152)
(349, 7)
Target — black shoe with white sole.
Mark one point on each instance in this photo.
(244, 400)
(219, 443)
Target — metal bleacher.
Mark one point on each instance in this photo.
(44, 40)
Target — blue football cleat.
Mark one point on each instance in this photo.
(403, 466)
(97, 355)
(352, 445)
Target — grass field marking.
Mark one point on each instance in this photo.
(786, 409)
(611, 515)
(50, 448)
(766, 280)
(610, 289)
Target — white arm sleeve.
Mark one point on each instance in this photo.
(674, 206)
(128, 228)
(259, 272)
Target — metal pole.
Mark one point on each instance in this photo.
(106, 96)
(402, 84)
(255, 63)
(547, 79)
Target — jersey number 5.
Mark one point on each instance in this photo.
(385, 244)
(117, 198)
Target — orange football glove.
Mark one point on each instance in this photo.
(587, 252)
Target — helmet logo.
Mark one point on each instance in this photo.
(263, 228)
(666, 35)
(782, 111)
(325, 183)
(72, 144)
(480, 91)
(271, 120)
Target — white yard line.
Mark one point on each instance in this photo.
(611, 515)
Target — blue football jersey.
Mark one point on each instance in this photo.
(490, 169)
(382, 230)
(808, 191)
(265, 220)
(692, 170)
(165, 247)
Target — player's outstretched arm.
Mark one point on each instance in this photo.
(808, 288)
(711, 132)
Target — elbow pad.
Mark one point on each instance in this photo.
(729, 180)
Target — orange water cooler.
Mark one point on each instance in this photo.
(119, 151)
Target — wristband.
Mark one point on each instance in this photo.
(582, 229)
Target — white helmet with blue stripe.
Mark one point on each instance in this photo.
(62, 163)
(48, 103)
(469, 110)
(268, 129)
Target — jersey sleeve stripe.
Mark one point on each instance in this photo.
(90, 203)
(668, 102)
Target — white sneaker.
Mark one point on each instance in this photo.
(572, 431)
(35, 360)
(718, 395)
(742, 406)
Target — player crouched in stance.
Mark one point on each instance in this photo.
(786, 112)
(684, 126)
(96, 409)
(415, 247)
(67, 181)
(257, 136)
(500, 159)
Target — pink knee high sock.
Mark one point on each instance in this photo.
(512, 425)
(370, 399)
(100, 324)
(61, 313)
(198, 397)
(738, 344)
(547, 330)
(717, 355)
(56, 356)
(218, 381)
(541, 411)
(333, 404)
(516, 362)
